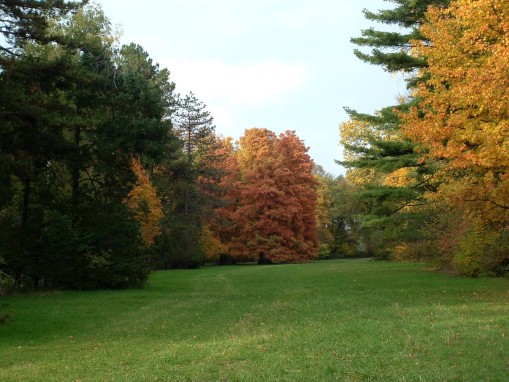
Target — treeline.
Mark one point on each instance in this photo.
(430, 174)
(106, 173)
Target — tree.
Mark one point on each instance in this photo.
(301, 184)
(274, 216)
(37, 108)
(182, 247)
(391, 50)
(377, 151)
(143, 202)
(141, 107)
(338, 225)
(461, 124)
(194, 125)
(323, 212)
(68, 138)
(25, 20)
(219, 189)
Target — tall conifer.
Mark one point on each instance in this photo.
(397, 181)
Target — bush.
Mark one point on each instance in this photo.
(7, 283)
(99, 247)
(483, 251)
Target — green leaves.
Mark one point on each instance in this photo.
(75, 113)
(383, 163)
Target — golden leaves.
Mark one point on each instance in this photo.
(143, 202)
(463, 117)
(399, 178)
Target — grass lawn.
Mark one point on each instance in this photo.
(324, 321)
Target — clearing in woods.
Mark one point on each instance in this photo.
(323, 321)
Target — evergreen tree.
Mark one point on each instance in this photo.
(181, 246)
(393, 194)
(391, 50)
(194, 125)
(27, 20)
(75, 116)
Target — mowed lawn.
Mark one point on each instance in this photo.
(324, 321)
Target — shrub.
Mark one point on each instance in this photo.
(482, 251)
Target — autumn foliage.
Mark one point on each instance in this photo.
(462, 122)
(218, 189)
(466, 99)
(146, 207)
(270, 199)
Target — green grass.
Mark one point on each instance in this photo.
(325, 321)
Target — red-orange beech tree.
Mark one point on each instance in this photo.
(274, 199)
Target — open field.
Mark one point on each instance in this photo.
(324, 321)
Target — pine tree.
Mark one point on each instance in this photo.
(25, 20)
(392, 207)
(194, 128)
(72, 118)
(391, 50)
(194, 125)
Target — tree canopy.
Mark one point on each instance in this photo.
(430, 172)
(106, 173)
(461, 125)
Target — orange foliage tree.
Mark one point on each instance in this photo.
(465, 102)
(146, 207)
(462, 123)
(218, 190)
(273, 215)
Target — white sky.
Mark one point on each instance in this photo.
(278, 64)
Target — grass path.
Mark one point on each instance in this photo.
(325, 321)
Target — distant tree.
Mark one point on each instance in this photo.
(221, 195)
(302, 185)
(255, 191)
(323, 212)
(274, 218)
(193, 126)
(338, 224)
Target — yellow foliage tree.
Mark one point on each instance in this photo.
(400, 177)
(145, 205)
(463, 120)
(323, 215)
(213, 248)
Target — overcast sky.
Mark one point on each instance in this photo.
(278, 64)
